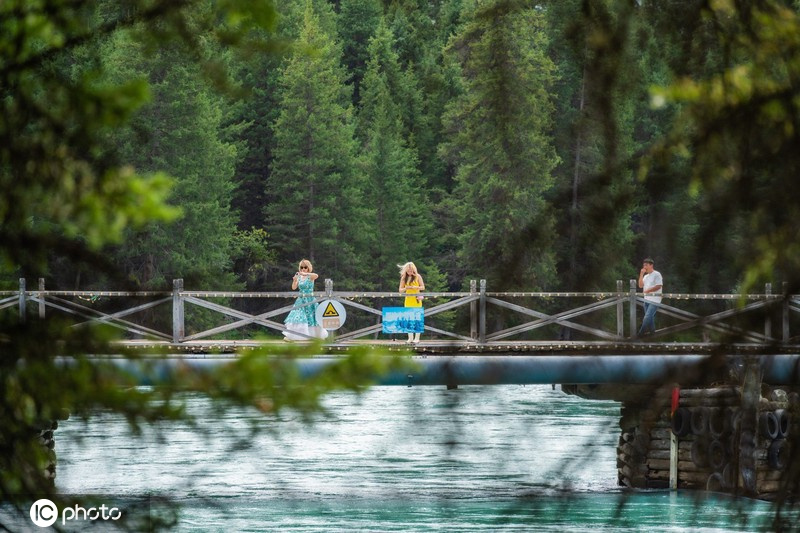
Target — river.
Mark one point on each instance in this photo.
(493, 458)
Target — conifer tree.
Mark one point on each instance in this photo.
(499, 143)
(596, 92)
(402, 221)
(421, 29)
(732, 146)
(384, 64)
(257, 112)
(315, 208)
(258, 76)
(356, 24)
(180, 132)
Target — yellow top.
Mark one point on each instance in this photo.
(411, 301)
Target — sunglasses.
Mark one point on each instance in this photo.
(303, 268)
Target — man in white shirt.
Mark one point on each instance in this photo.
(650, 282)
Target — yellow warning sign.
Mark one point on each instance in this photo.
(330, 310)
(329, 313)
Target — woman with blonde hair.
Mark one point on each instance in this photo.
(303, 316)
(411, 283)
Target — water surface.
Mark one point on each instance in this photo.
(494, 458)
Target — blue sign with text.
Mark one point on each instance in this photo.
(403, 319)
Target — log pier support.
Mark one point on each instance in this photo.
(736, 437)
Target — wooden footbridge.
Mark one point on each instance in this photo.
(474, 322)
(584, 341)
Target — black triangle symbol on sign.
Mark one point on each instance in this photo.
(330, 310)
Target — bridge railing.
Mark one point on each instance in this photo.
(474, 316)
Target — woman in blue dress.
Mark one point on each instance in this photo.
(303, 316)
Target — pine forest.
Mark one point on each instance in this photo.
(541, 146)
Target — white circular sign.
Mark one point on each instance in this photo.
(331, 314)
(44, 513)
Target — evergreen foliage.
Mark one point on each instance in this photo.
(594, 135)
(314, 194)
(511, 124)
(257, 112)
(421, 30)
(71, 190)
(62, 194)
(401, 226)
(499, 143)
(180, 132)
(736, 131)
(357, 22)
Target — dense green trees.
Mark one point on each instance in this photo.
(401, 227)
(490, 140)
(732, 146)
(598, 96)
(63, 193)
(499, 143)
(357, 22)
(315, 208)
(179, 132)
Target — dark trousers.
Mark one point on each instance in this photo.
(649, 320)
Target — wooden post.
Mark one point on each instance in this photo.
(673, 442)
(673, 461)
(767, 308)
(41, 298)
(178, 325)
(482, 313)
(473, 311)
(632, 313)
(22, 302)
(329, 293)
(620, 311)
(748, 426)
(785, 307)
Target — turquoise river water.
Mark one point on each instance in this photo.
(494, 458)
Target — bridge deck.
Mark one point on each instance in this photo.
(444, 347)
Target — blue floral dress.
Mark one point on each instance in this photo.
(303, 316)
